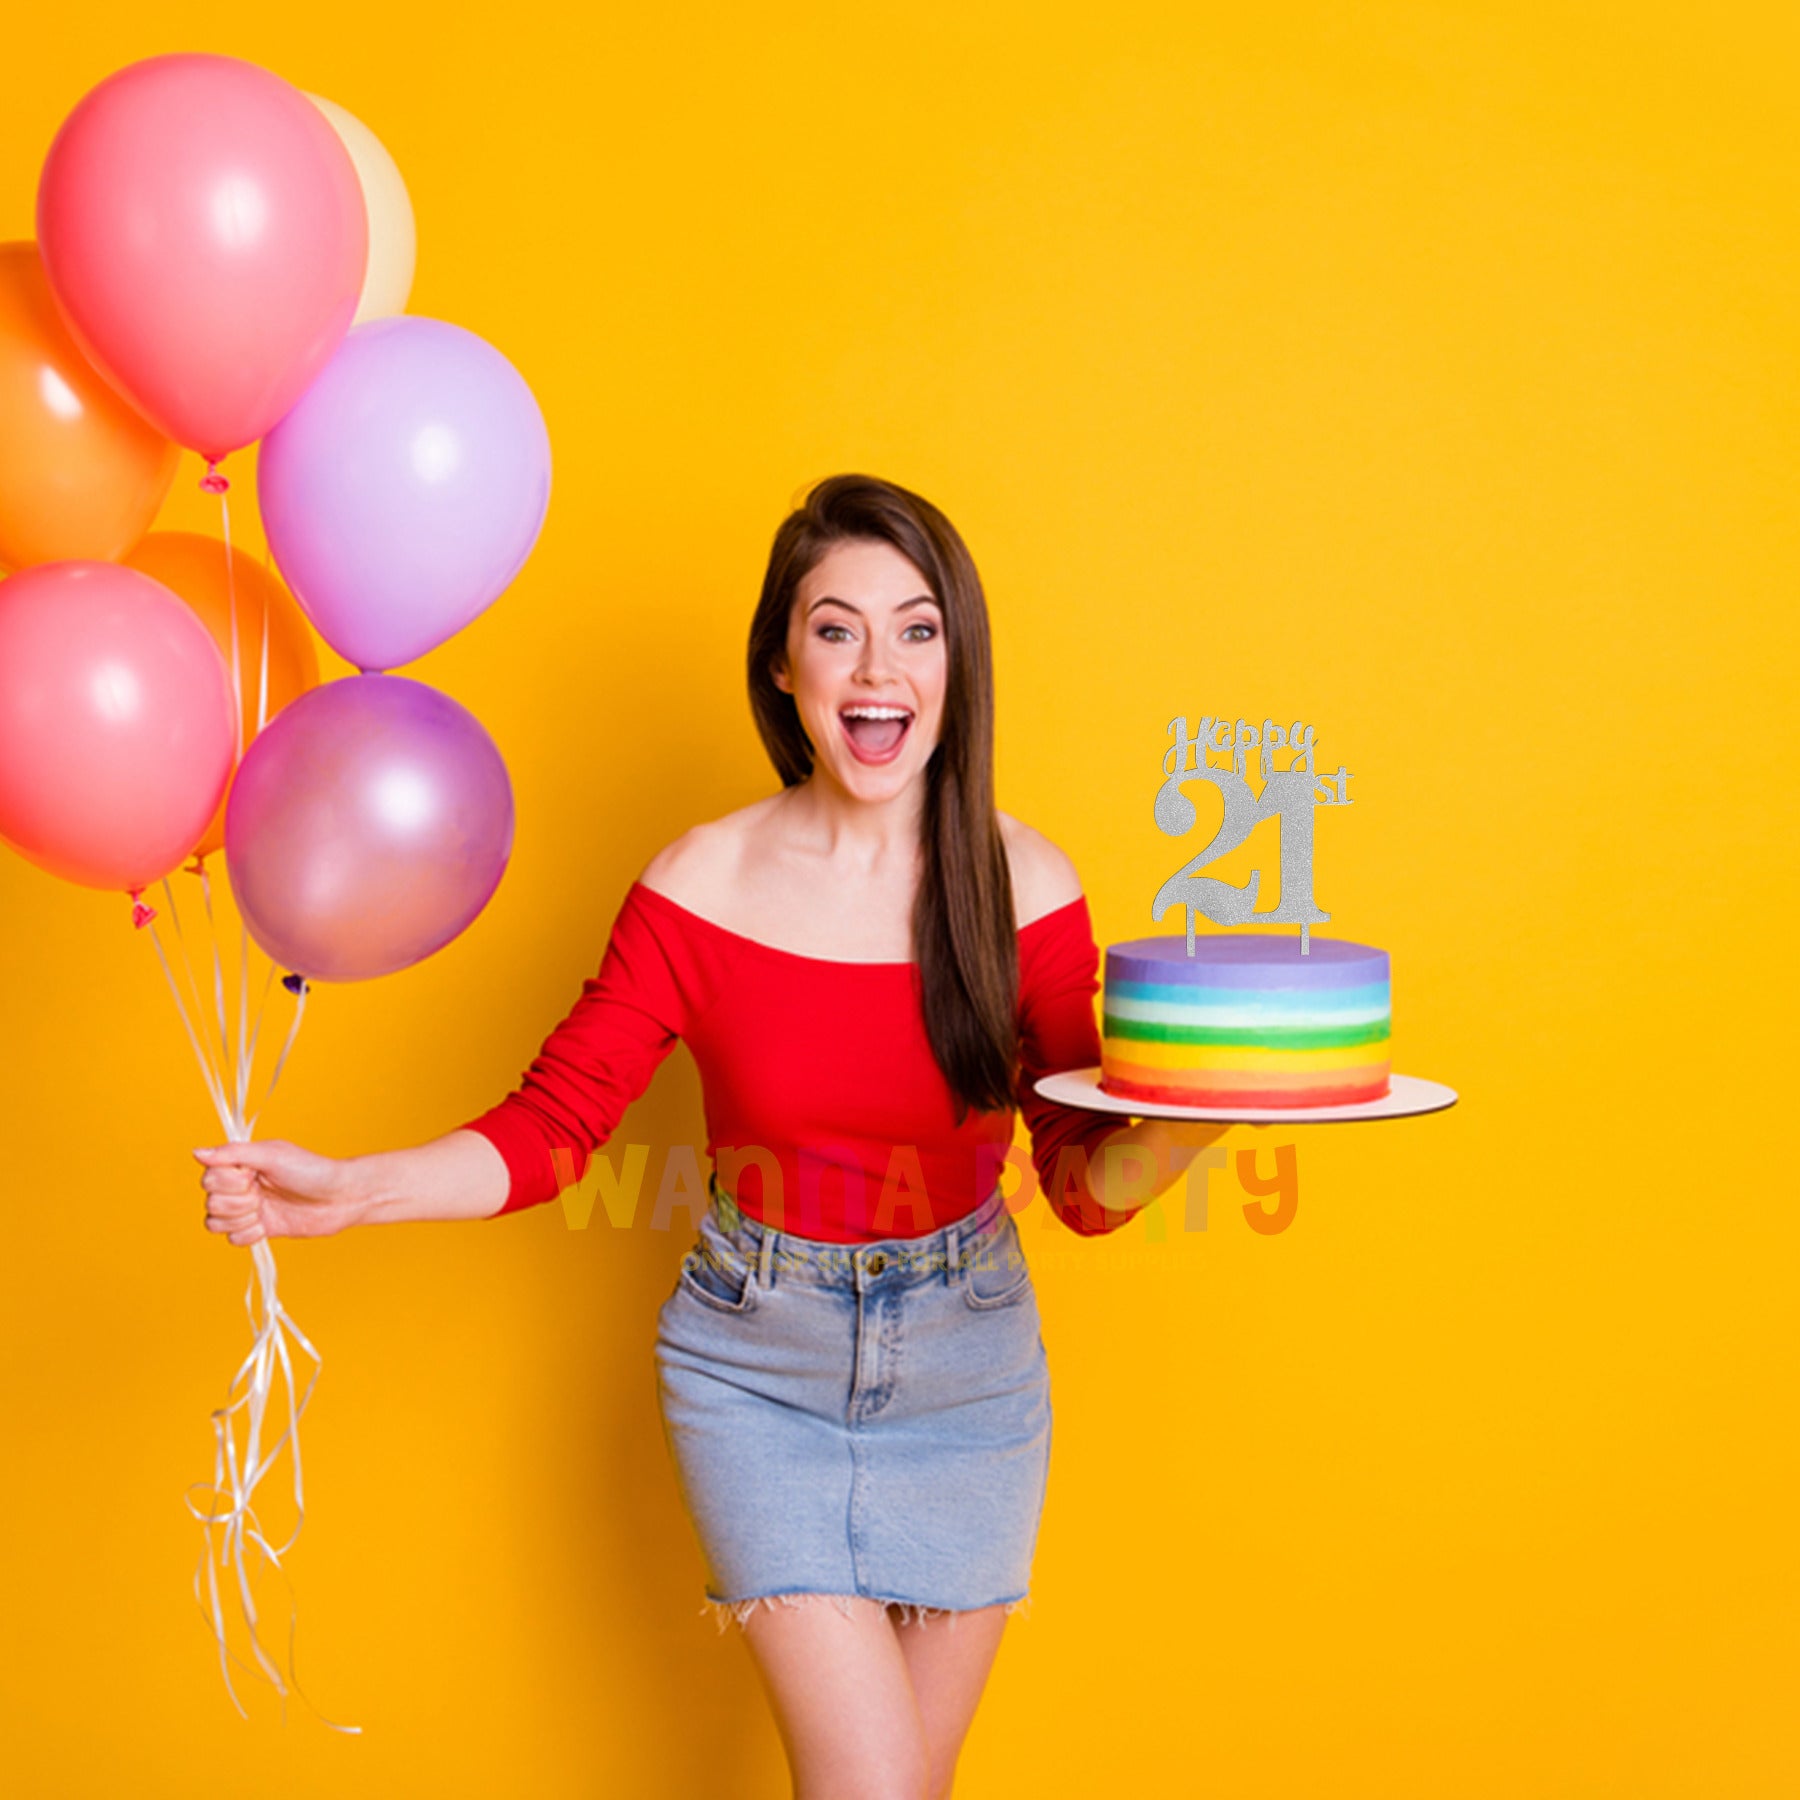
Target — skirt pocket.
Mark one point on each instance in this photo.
(718, 1278)
(996, 1273)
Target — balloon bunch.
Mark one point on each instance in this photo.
(222, 259)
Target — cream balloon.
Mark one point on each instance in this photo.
(393, 239)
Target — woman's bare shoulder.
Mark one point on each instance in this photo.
(700, 869)
(1043, 877)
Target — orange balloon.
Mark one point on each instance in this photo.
(193, 567)
(81, 474)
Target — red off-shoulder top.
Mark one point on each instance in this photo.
(822, 1067)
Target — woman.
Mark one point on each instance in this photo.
(871, 967)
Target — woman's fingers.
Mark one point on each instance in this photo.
(240, 1225)
(233, 1205)
(231, 1211)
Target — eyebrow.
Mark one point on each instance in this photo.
(833, 600)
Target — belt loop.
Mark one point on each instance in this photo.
(952, 1253)
(989, 1210)
(725, 1205)
(765, 1262)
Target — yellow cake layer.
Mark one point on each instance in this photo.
(1137, 1052)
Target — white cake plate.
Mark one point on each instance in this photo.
(1407, 1096)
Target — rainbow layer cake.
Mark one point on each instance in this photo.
(1245, 1021)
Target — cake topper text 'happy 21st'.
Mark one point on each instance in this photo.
(1288, 796)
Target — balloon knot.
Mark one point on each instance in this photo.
(141, 915)
(196, 867)
(212, 482)
(295, 984)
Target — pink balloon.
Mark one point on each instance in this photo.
(117, 728)
(368, 824)
(204, 232)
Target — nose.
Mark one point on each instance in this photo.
(871, 666)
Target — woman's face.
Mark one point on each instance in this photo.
(866, 664)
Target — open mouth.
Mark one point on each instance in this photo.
(875, 733)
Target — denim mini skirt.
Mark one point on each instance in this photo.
(867, 1423)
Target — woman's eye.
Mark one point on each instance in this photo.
(825, 632)
(930, 632)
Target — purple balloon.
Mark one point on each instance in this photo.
(405, 490)
(368, 824)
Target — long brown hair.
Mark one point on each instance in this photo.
(964, 937)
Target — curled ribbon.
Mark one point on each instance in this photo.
(236, 1476)
(225, 1512)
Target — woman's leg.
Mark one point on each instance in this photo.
(843, 1700)
(949, 1667)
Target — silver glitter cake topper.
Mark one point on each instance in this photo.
(1288, 795)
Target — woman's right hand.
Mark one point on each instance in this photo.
(271, 1189)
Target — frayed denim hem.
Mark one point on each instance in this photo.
(911, 1612)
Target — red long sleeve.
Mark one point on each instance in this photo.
(593, 1065)
(821, 1091)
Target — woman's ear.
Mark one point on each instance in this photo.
(778, 669)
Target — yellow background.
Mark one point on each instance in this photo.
(1424, 371)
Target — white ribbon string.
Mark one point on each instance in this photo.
(243, 1037)
(237, 683)
(247, 1052)
(237, 716)
(262, 684)
(207, 1072)
(281, 1060)
(193, 986)
(212, 936)
(223, 1507)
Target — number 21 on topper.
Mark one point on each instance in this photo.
(1288, 796)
